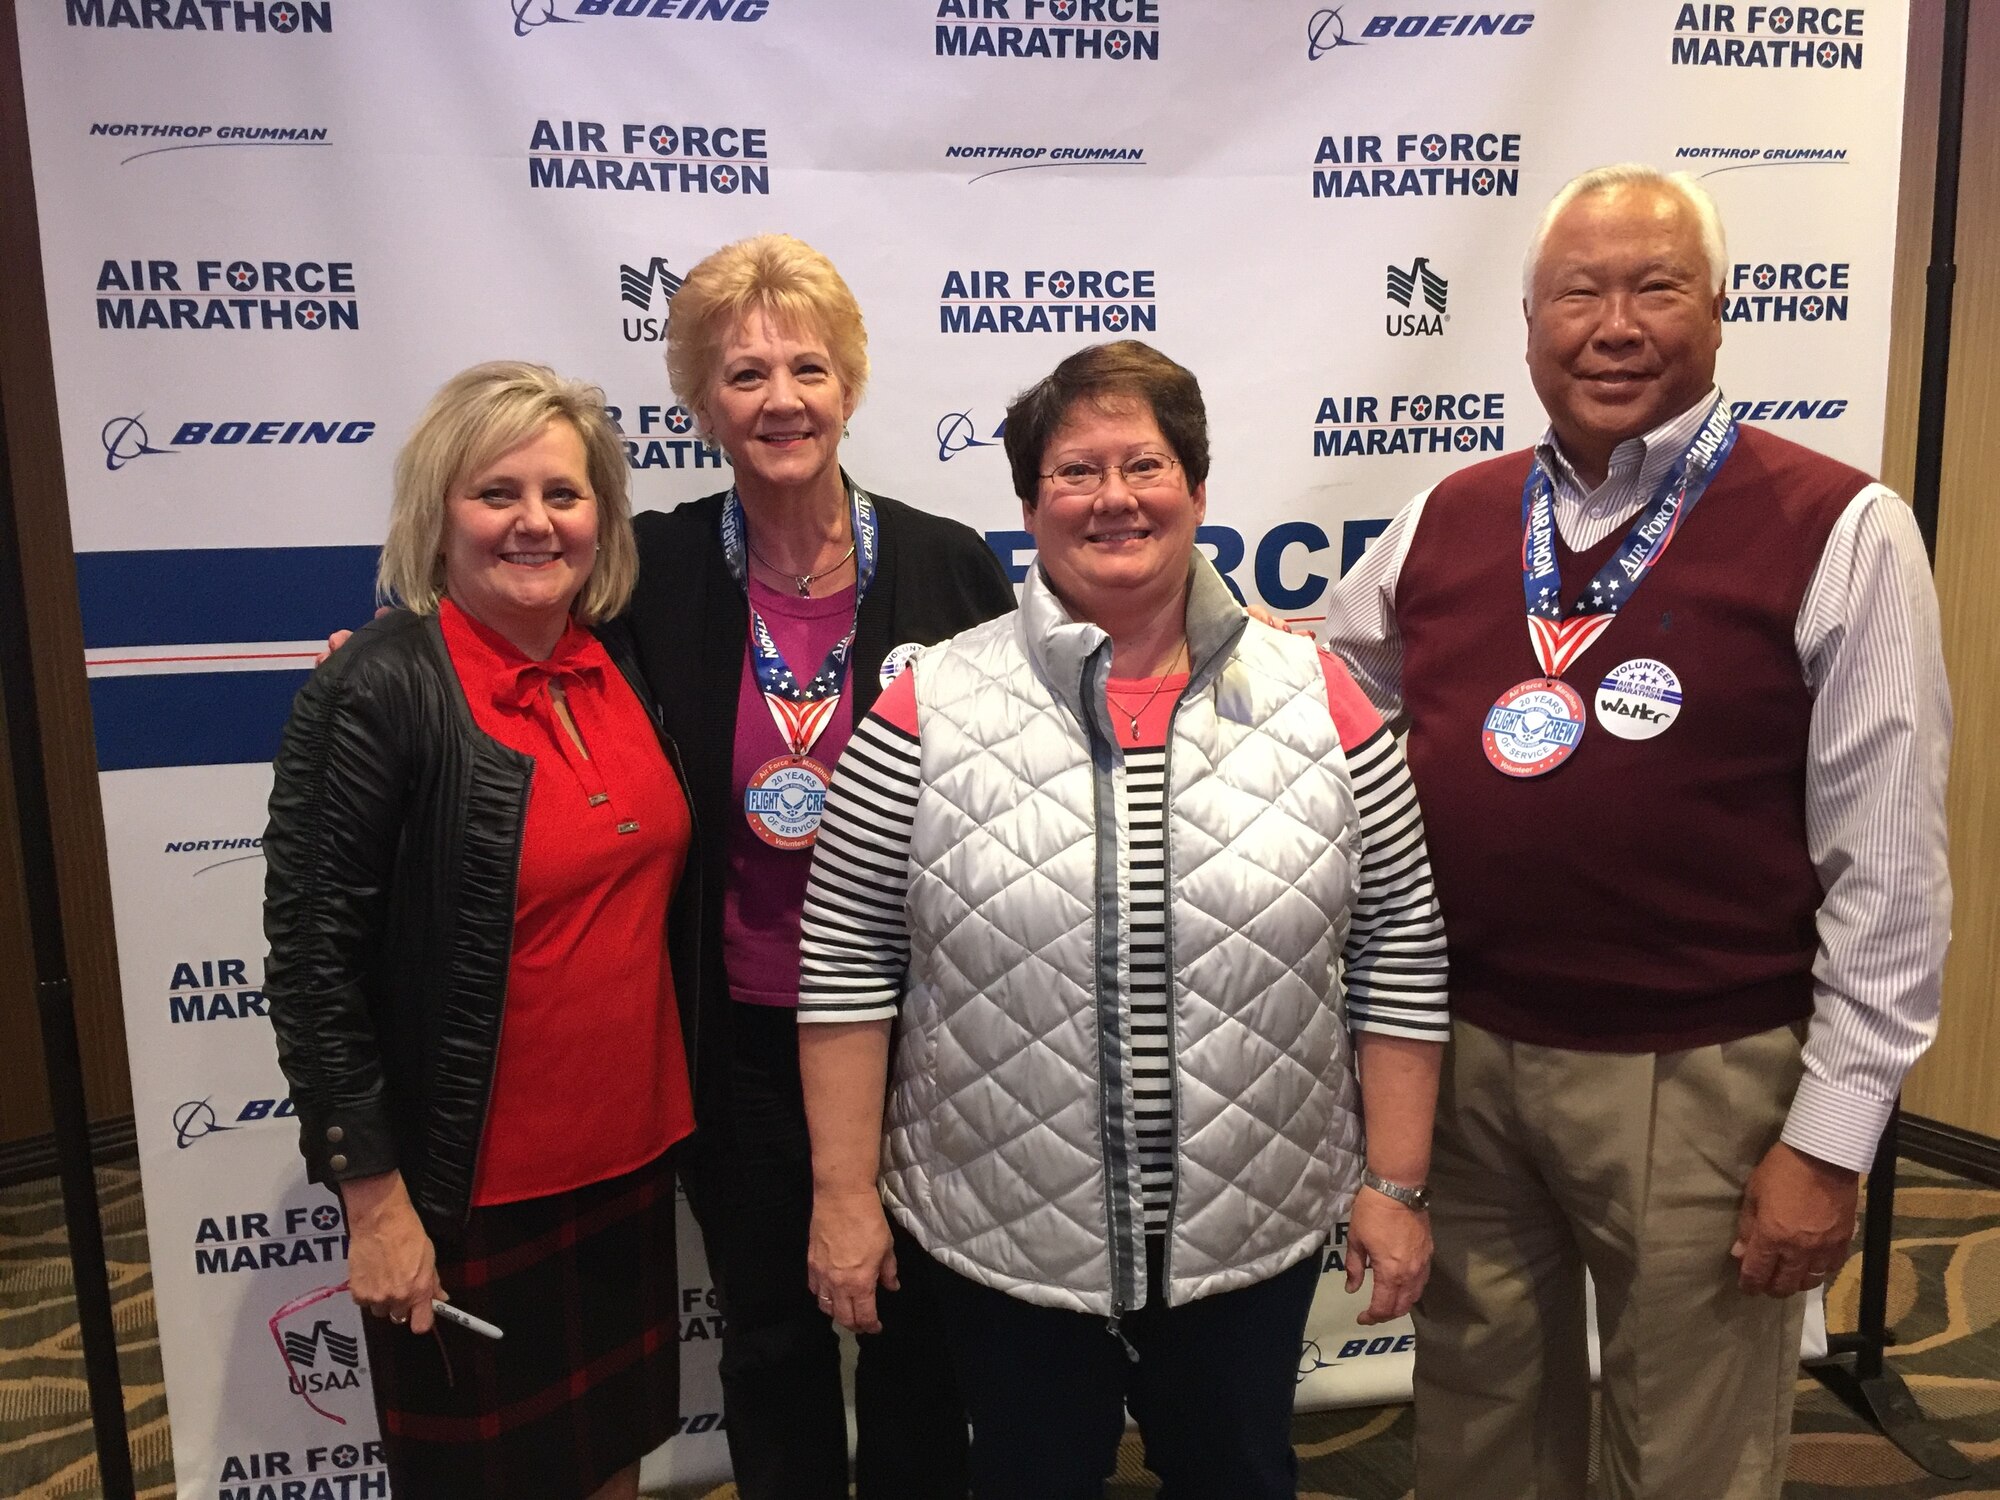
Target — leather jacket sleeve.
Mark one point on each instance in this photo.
(337, 803)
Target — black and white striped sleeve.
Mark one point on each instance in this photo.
(854, 941)
(1395, 954)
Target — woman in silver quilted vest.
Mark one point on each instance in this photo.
(1138, 885)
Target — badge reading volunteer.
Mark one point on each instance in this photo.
(896, 660)
(1533, 727)
(785, 800)
(1638, 699)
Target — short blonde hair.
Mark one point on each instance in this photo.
(786, 279)
(476, 416)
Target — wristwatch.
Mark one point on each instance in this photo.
(1418, 1197)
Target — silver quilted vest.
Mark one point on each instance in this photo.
(1012, 1150)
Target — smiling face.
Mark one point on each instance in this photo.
(1121, 552)
(777, 407)
(1623, 322)
(520, 538)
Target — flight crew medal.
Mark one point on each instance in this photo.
(1638, 699)
(1533, 727)
(785, 799)
(1536, 725)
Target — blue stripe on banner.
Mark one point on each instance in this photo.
(191, 718)
(199, 595)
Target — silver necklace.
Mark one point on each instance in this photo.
(802, 581)
(1159, 682)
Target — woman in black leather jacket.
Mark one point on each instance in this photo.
(477, 837)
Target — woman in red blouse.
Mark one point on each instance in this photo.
(476, 843)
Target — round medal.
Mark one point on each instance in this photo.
(896, 660)
(1533, 727)
(785, 799)
(1638, 699)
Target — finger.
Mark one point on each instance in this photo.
(1759, 1262)
(1357, 1263)
(421, 1316)
(1386, 1301)
(887, 1275)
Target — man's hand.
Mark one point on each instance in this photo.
(1394, 1241)
(1264, 616)
(1796, 1223)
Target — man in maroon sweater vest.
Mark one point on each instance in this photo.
(1688, 835)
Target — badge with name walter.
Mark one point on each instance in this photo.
(785, 799)
(1533, 727)
(1638, 699)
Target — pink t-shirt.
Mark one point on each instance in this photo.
(766, 888)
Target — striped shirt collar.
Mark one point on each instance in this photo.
(1637, 465)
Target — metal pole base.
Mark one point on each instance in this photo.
(1887, 1404)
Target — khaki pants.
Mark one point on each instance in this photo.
(1548, 1162)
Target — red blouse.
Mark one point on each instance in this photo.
(591, 1079)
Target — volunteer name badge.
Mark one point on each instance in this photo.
(785, 799)
(1533, 727)
(894, 663)
(1638, 699)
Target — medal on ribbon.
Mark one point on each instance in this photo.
(784, 800)
(1536, 725)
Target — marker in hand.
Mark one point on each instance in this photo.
(465, 1320)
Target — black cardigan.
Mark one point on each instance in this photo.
(690, 626)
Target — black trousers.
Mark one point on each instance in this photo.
(749, 1182)
(1211, 1389)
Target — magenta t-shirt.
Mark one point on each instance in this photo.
(766, 888)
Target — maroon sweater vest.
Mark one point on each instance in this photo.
(1646, 895)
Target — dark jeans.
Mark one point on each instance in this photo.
(749, 1182)
(1211, 1389)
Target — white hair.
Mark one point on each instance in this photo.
(1634, 174)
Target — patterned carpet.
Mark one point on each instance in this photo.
(1944, 1301)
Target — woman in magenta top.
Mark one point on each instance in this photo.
(477, 842)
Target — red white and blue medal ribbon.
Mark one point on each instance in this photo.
(784, 800)
(1536, 725)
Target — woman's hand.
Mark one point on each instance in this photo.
(1394, 1241)
(391, 1265)
(847, 1255)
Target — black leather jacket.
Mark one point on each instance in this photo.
(391, 856)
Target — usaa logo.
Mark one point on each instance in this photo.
(342, 1471)
(242, 295)
(958, 432)
(1787, 292)
(321, 1351)
(125, 439)
(1117, 301)
(1425, 164)
(531, 15)
(1457, 422)
(1079, 30)
(1825, 409)
(1424, 292)
(1330, 28)
(283, 16)
(664, 437)
(1772, 36)
(270, 1240)
(213, 989)
(698, 159)
(642, 287)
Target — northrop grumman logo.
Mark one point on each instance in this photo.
(638, 286)
(1033, 158)
(1404, 286)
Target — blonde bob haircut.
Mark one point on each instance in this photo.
(787, 280)
(475, 417)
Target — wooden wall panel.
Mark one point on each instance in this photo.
(1959, 1082)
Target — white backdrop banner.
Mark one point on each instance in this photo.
(271, 228)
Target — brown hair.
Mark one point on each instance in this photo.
(1106, 374)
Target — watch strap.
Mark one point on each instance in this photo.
(1418, 1197)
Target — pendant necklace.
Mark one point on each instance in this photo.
(802, 581)
(1159, 682)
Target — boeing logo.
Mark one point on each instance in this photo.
(956, 435)
(125, 439)
(531, 15)
(194, 1120)
(1324, 32)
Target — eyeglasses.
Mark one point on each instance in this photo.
(1140, 473)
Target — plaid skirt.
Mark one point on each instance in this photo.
(587, 1379)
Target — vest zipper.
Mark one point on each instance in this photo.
(1173, 990)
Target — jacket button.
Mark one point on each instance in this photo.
(335, 1135)
(337, 1161)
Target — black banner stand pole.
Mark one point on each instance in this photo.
(1873, 1390)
